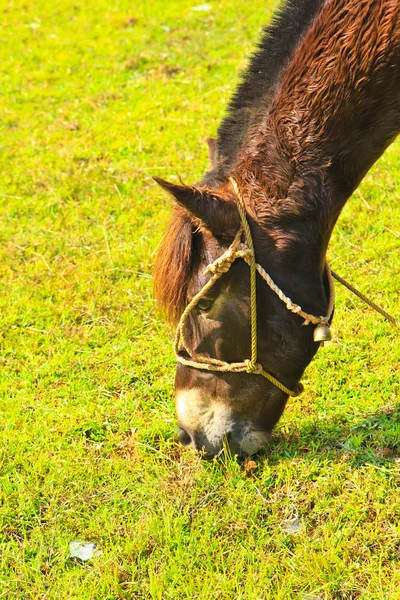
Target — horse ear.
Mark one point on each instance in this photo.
(212, 151)
(209, 210)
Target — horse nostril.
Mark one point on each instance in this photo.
(184, 437)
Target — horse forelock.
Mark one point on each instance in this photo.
(173, 265)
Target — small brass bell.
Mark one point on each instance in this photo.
(322, 333)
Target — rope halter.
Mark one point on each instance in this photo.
(244, 250)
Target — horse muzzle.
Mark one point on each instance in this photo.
(209, 426)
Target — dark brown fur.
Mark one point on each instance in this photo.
(330, 113)
(340, 72)
(336, 111)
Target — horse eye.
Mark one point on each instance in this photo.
(204, 304)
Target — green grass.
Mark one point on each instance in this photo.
(94, 98)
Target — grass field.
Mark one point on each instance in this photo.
(95, 97)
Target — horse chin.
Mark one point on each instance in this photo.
(209, 425)
(253, 441)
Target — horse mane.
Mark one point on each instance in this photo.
(250, 102)
(254, 94)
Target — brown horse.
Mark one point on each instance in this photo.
(318, 105)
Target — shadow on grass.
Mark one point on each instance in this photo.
(368, 439)
(374, 440)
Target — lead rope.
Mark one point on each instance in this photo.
(365, 299)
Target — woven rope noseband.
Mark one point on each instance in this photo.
(244, 250)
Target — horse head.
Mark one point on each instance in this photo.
(214, 406)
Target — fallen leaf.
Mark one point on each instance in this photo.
(83, 550)
(71, 125)
(130, 22)
(249, 466)
(292, 526)
(202, 7)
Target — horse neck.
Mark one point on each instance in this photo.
(337, 110)
(255, 92)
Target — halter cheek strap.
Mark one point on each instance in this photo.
(245, 250)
